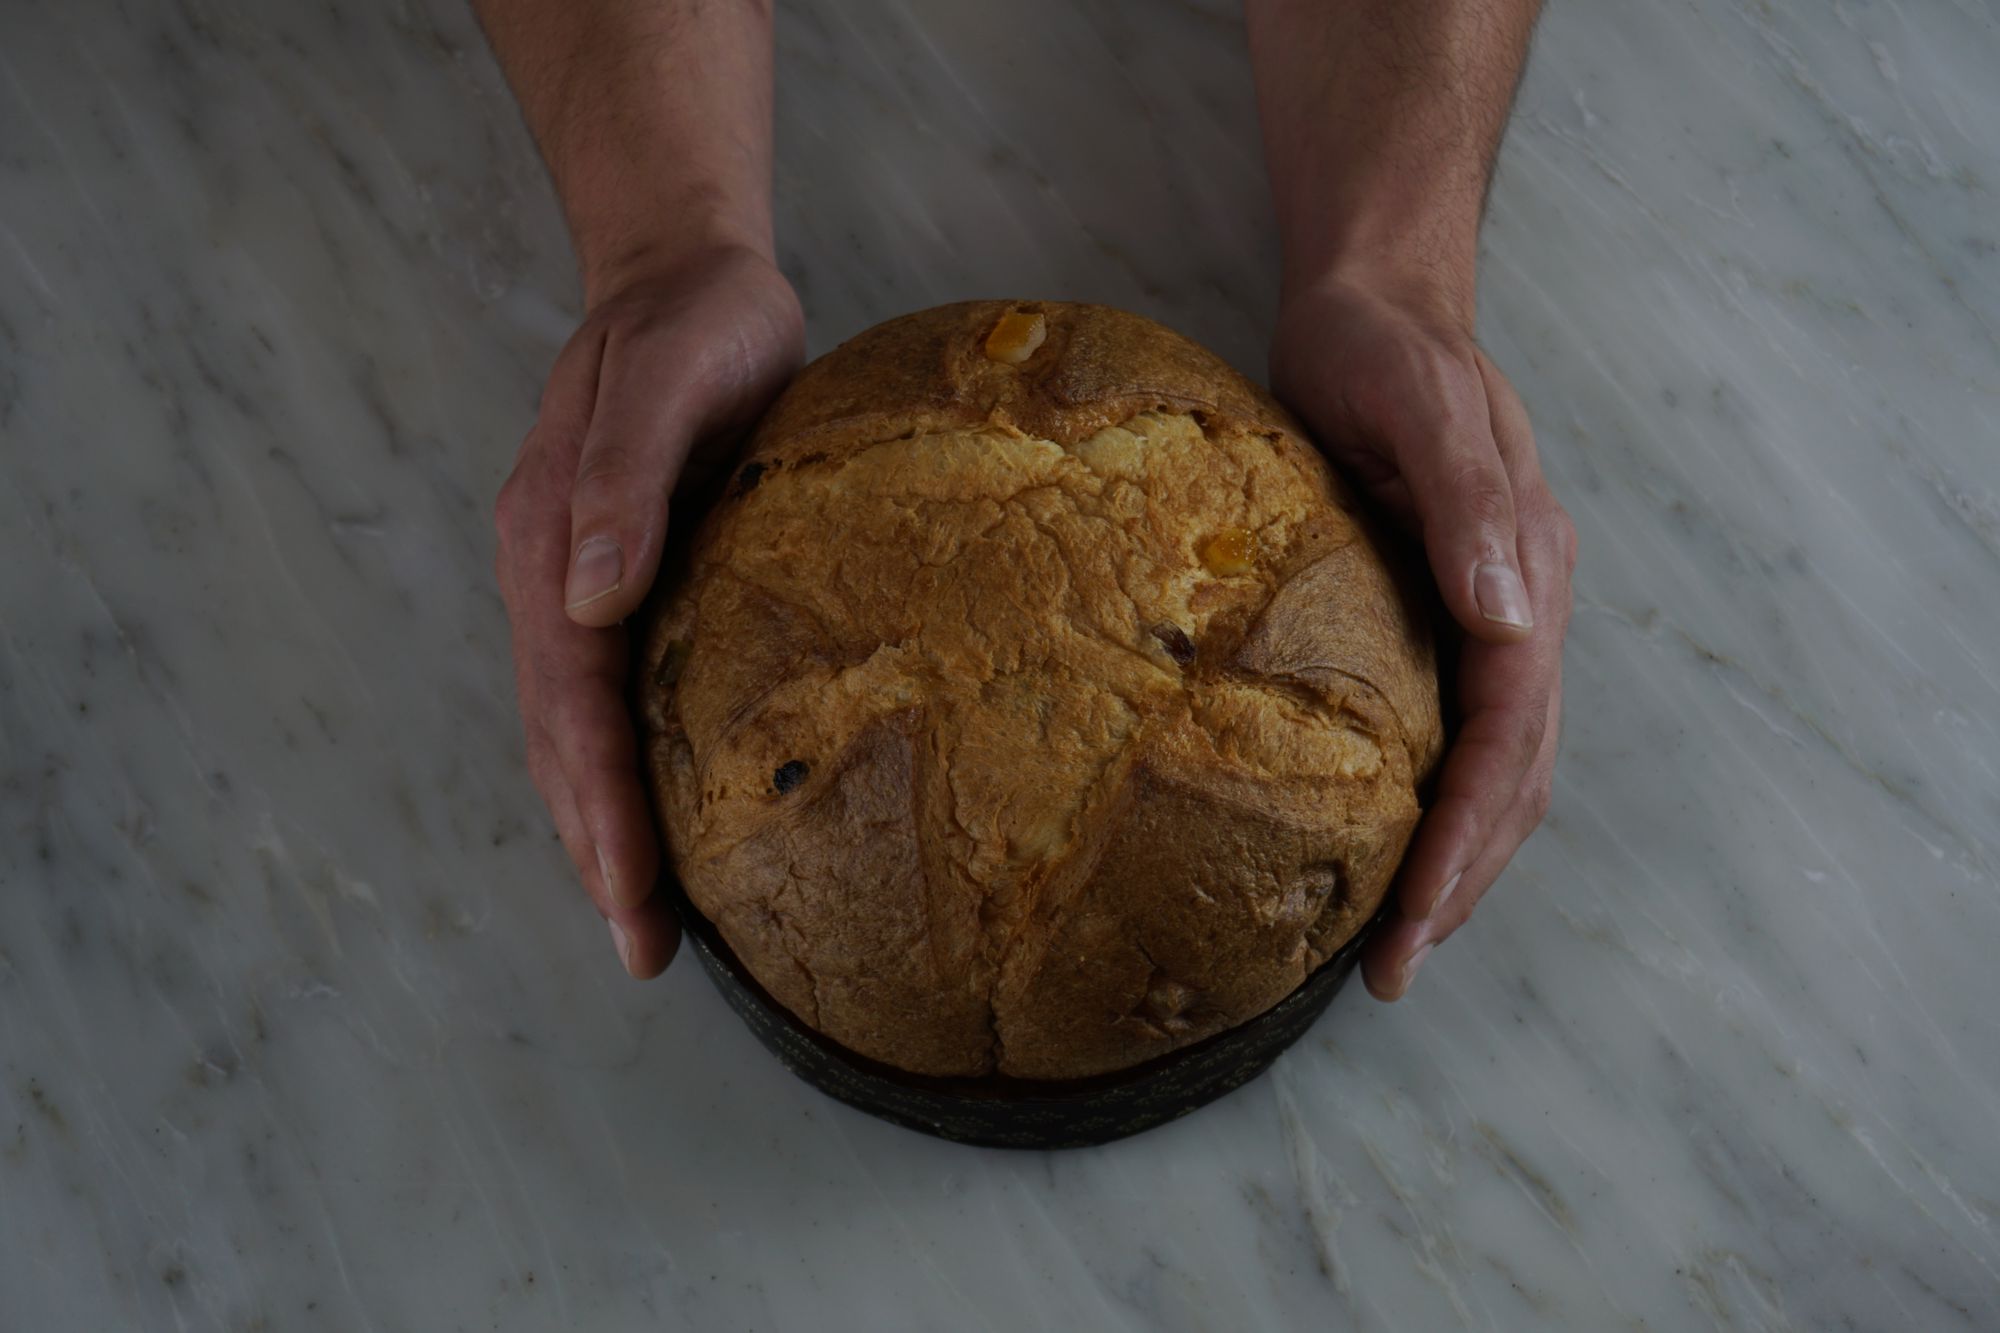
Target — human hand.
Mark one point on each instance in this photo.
(669, 356)
(1391, 383)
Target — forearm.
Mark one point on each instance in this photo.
(1381, 120)
(654, 117)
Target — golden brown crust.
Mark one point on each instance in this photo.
(1034, 719)
(1099, 366)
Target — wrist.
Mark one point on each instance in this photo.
(671, 238)
(657, 134)
(1440, 292)
(1409, 236)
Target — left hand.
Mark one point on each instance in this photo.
(1389, 380)
(675, 353)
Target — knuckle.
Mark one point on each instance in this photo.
(1442, 367)
(606, 462)
(1566, 538)
(508, 507)
(1419, 391)
(1533, 730)
(1554, 527)
(1541, 795)
(1560, 527)
(1480, 493)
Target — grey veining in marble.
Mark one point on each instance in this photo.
(303, 1026)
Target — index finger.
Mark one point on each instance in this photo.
(1505, 693)
(580, 691)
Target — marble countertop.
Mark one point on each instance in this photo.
(303, 1025)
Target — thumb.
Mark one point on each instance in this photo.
(631, 458)
(1465, 506)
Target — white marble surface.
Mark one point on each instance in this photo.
(302, 1025)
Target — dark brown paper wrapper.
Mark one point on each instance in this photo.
(1005, 1112)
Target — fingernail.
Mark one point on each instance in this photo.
(624, 943)
(1416, 961)
(598, 566)
(1443, 894)
(604, 871)
(1501, 595)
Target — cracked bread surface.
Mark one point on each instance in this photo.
(1034, 717)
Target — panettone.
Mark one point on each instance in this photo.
(1034, 701)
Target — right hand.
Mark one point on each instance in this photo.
(1387, 374)
(668, 358)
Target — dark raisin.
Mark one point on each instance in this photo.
(789, 775)
(1175, 640)
(672, 663)
(747, 479)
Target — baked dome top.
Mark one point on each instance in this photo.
(1035, 700)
